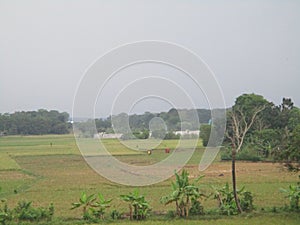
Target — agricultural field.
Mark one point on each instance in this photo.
(50, 169)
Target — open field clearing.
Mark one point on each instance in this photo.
(32, 169)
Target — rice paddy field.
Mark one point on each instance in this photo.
(50, 169)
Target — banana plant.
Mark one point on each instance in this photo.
(183, 193)
(100, 206)
(138, 205)
(226, 200)
(293, 194)
(86, 202)
(5, 213)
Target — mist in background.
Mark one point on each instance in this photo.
(46, 46)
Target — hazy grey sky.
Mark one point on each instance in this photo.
(45, 46)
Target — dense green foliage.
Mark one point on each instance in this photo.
(293, 194)
(92, 208)
(34, 122)
(205, 130)
(275, 133)
(138, 205)
(227, 205)
(185, 195)
(24, 211)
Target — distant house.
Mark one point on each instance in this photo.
(104, 135)
(187, 132)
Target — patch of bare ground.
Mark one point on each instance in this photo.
(14, 175)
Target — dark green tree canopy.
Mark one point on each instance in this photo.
(34, 122)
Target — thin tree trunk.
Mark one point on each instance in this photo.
(130, 212)
(177, 208)
(237, 202)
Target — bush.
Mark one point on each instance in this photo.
(93, 208)
(115, 215)
(248, 156)
(244, 155)
(26, 212)
(171, 136)
(227, 205)
(138, 205)
(183, 194)
(246, 201)
(5, 213)
(293, 194)
(196, 208)
(205, 130)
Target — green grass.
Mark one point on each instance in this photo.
(7, 162)
(250, 219)
(247, 219)
(32, 169)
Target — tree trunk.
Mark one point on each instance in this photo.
(177, 208)
(130, 212)
(237, 202)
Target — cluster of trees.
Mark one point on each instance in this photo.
(258, 128)
(34, 123)
(174, 119)
(257, 124)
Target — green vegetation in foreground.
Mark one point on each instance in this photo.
(43, 174)
(269, 218)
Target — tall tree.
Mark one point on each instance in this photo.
(205, 130)
(240, 120)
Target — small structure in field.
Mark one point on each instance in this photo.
(104, 135)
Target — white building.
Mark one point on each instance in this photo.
(187, 132)
(104, 135)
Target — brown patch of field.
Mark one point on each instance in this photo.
(244, 169)
(14, 175)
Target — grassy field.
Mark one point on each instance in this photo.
(46, 169)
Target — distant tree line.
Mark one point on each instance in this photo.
(34, 123)
(140, 123)
(174, 119)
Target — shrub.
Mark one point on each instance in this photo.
(93, 208)
(244, 154)
(138, 206)
(5, 213)
(226, 202)
(115, 214)
(246, 201)
(26, 212)
(293, 194)
(183, 194)
(100, 206)
(196, 208)
(171, 135)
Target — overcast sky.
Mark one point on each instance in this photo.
(46, 46)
